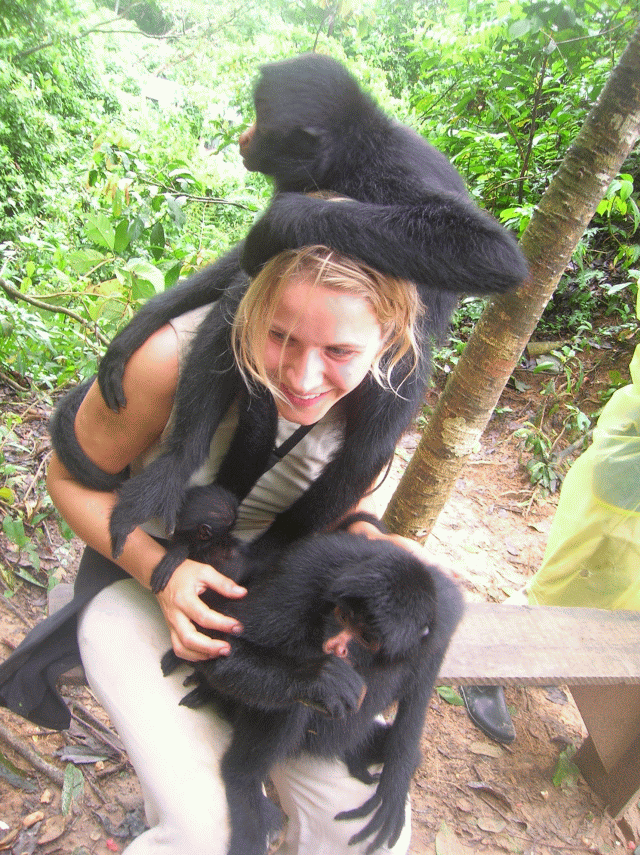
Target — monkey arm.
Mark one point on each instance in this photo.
(159, 490)
(401, 757)
(266, 679)
(444, 242)
(198, 290)
(402, 741)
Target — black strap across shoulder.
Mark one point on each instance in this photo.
(288, 445)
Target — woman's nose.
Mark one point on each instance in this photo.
(307, 371)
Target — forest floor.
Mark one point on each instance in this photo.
(469, 794)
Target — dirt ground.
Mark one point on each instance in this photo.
(469, 795)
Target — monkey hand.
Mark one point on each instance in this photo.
(388, 805)
(157, 491)
(337, 691)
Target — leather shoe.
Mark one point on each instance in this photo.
(487, 709)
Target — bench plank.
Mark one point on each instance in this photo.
(595, 652)
(543, 645)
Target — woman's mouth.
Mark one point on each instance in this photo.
(302, 401)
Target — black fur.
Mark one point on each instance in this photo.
(284, 695)
(409, 215)
(65, 442)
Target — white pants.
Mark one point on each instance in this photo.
(176, 751)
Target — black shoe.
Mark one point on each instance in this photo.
(487, 709)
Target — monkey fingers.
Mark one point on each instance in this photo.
(157, 491)
(164, 569)
(337, 691)
(386, 823)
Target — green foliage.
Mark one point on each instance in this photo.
(108, 197)
(516, 86)
(558, 417)
(449, 694)
(72, 788)
(566, 773)
(510, 98)
(46, 100)
(148, 15)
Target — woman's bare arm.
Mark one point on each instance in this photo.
(112, 441)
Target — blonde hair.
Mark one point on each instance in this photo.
(395, 304)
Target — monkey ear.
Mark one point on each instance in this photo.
(304, 141)
(205, 532)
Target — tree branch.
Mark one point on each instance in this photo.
(52, 772)
(48, 307)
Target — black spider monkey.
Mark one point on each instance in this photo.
(409, 216)
(336, 628)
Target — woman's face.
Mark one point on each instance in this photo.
(320, 346)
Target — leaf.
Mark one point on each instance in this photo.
(7, 495)
(100, 231)
(122, 236)
(494, 792)
(51, 830)
(449, 694)
(84, 260)
(72, 787)
(488, 749)
(447, 843)
(14, 530)
(566, 772)
(12, 775)
(82, 754)
(24, 574)
(157, 241)
(172, 275)
(488, 823)
(145, 272)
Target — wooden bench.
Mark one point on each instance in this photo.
(595, 653)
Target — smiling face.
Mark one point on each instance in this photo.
(320, 345)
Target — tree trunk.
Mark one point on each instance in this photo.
(474, 387)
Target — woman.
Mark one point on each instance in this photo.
(311, 327)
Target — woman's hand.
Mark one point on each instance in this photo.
(182, 608)
(368, 530)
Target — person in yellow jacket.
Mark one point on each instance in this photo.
(592, 558)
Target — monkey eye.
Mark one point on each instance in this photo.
(205, 531)
(344, 616)
(369, 640)
(425, 631)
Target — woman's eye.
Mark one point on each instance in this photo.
(340, 352)
(276, 335)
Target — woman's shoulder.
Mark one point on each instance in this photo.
(186, 327)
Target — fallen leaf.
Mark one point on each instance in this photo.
(52, 829)
(448, 694)
(32, 818)
(511, 548)
(488, 749)
(556, 695)
(481, 787)
(447, 843)
(489, 823)
(9, 839)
